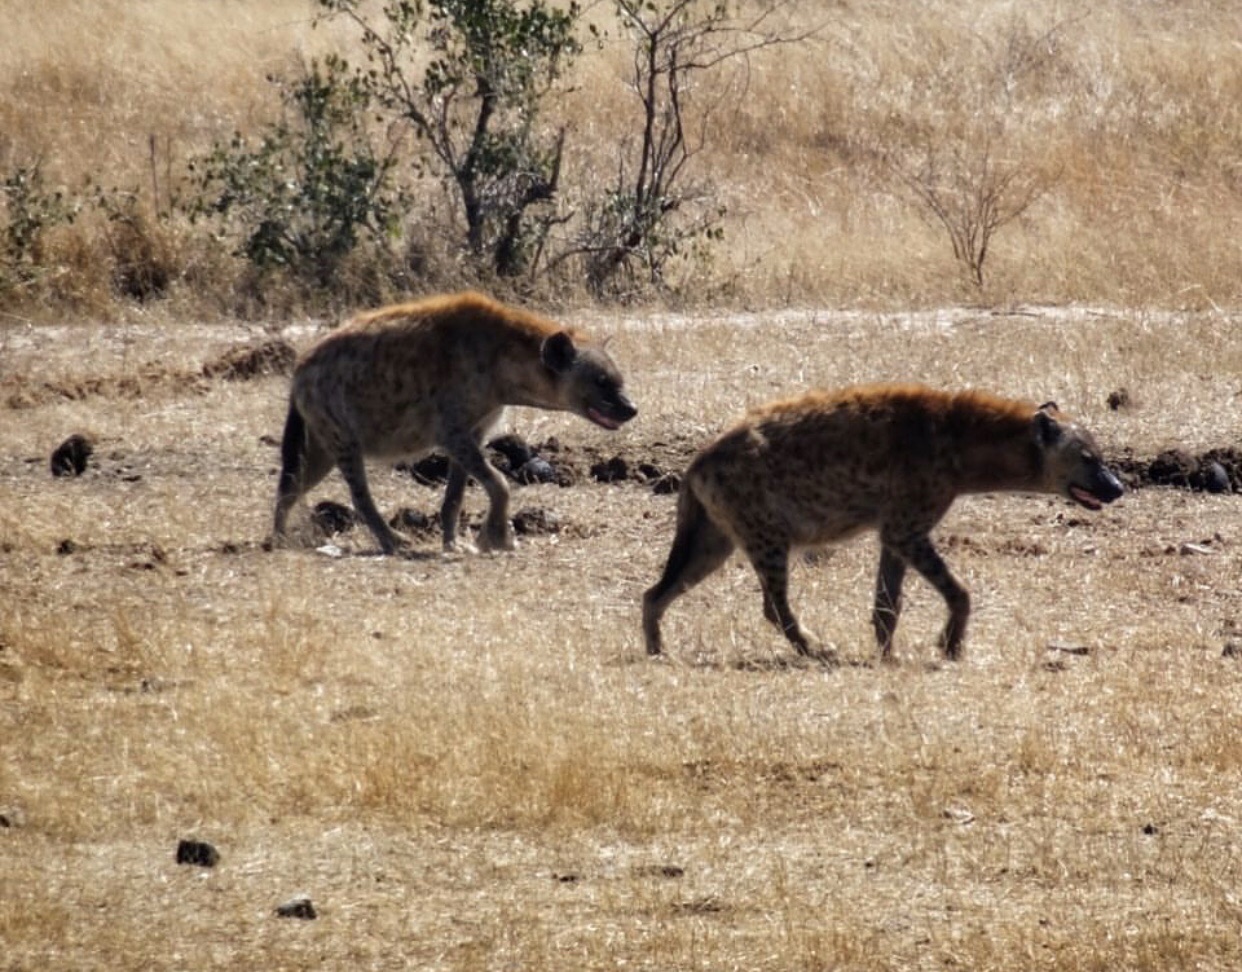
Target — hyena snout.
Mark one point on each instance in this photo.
(1094, 485)
(611, 411)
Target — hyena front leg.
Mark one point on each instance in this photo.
(467, 456)
(353, 469)
(922, 556)
(771, 563)
(887, 598)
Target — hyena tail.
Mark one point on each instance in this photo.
(700, 546)
(298, 472)
(292, 451)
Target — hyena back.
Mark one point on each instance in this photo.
(398, 381)
(889, 458)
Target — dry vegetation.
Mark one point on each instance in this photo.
(1129, 114)
(468, 762)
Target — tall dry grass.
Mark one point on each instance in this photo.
(1130, 109)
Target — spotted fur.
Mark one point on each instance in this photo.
(890, 458)
(398, 381)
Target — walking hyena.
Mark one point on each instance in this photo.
(395, 382)
(890, 458)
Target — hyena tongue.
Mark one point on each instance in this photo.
(1085, 498)
(599, 418)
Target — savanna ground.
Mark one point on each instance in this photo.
(468, 762)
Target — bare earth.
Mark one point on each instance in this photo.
(467, 762)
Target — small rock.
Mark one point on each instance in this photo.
(1118, 399)
(430, 470)
(66, 547)
(298, 907)
(536, 520)
(1215, 478)
(1150, 829)
(332, 518)
(535, 470)
(1067, 649)
(197, 852)
(413, 521)
(515, 450)
(1232, 649)
(666, 485)
(613, 470)
(71, 456)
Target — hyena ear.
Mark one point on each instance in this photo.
(558, 352)
(1047, 429)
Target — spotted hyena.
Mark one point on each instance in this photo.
(889, 458)
(396, 382)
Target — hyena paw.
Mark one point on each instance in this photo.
(492, 540)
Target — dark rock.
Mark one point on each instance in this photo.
(613, 470)
(1118, 399)
(1215, 479)
(331, 517)
(535, 470)
(299, 907)
(197, 852)
(66, 547)
(515, 451)
(71, 456)
(414, 521)
(535, 520)
(431, 470)
(666, 485)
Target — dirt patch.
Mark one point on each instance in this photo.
(245, 363)
(1214, 471)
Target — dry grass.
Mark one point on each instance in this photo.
(468, 762)
(1133, 108)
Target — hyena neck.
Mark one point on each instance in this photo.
(998, 453)
(523, 379)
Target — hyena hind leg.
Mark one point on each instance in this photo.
(354, 470)
(300, 473)
(699, 548)
(887, 608)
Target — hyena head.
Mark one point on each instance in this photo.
(588, 383)
(1072, 463)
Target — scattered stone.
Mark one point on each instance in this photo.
(1150, 829)
(1067, 649)
(534, 520)
(667, 485)
(298, 907)
(535, 470)
(431, 470)
(514, 449)
(613, 470)
(66, 547)
(274, 357)
(71, 456)
(1232, 649)
(332, 518)
(1186, 548)
(414, 521)
(1215, 478)
(1118, 399)
(197, 852)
